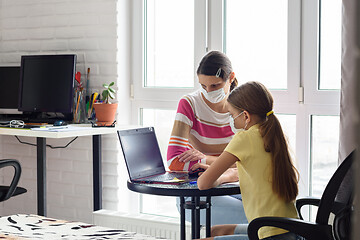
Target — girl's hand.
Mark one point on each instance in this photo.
(213, 176)
(230, 175)
(191, 155)
(199, 165)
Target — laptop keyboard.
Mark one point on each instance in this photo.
(167, 176)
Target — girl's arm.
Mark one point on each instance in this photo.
(214, 176)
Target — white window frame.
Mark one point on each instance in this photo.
(316, 102)
(302, 97)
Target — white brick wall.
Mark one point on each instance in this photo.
(89, 29)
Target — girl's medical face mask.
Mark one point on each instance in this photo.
(232, 124)
(214, 96)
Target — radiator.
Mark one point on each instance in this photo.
(157, 226)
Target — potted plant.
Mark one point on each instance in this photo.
(105, 110)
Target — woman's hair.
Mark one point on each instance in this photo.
(212, 62)
(256, 99)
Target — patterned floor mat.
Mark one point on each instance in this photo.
(25, 226)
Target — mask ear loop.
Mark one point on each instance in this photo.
(246, 125)
(218, 73)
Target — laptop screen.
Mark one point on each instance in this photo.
(141, 152)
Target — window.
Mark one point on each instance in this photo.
(330, 44)
(324, 148)
(162, 120)
(169, 43)
(293, 47)
(170, 50)
(258, 48)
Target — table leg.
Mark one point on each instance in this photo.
(97, 179)
(197, 217)
(41, 175)
(208, 216)
(193, 228)
(182, 218)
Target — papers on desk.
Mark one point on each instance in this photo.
(67, 128)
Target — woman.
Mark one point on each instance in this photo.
(201, 130)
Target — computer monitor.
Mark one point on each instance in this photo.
(9, 89)
(47, 85)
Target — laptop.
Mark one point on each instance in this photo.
(143, 158)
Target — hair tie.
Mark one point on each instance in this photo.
(269, 113)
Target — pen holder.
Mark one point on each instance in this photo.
(79, 106)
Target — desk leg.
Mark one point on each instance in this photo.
(41, 175)
(182, 218)
(97, 179)
(208, 216)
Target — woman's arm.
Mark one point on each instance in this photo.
(178, 144)
(195, 155)
(214, 176)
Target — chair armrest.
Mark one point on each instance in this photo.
(338, 206)
(306, 201)
(14, 163)
(308, 230)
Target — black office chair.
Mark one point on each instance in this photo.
(7, 192)
(337, 199)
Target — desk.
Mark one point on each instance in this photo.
(188, 190)
(41, 137)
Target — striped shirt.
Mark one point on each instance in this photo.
(197, 126)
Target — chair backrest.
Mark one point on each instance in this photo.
(338, 193)
(10, 191)
(342, 224)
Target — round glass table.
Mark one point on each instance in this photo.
(188, 190)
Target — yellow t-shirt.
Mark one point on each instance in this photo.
(255, 175)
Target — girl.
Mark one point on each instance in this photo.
(201, 130)
(267, 176)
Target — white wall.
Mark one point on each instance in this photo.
(87, 28)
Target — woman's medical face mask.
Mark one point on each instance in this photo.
(214, 96)
(232, 124)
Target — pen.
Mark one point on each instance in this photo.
(77, 104)
(87, 92)
(87, 82)
(193, 182)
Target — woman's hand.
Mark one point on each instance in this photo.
(191, 155)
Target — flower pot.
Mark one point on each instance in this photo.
(105, 112)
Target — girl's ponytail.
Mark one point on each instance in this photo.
(285, 175)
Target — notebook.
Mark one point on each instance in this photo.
(143, 158)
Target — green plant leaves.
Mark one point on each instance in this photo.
(108, 92)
